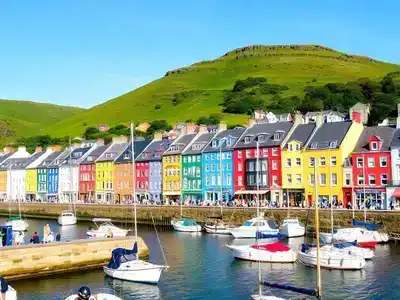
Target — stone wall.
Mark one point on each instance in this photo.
(32, 260)
(236, 216)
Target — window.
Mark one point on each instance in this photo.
(334, 179)
(274, 180)
(360, 162)
(288, 163)
(347, 180)
(206, 167)
(371, 162)
(289, 178)
(333, 161)
(322, 161)
(189, 159)
(312, 179)
(290, 148)
(198, 158)
(248, 153)
(265, 152)
(214, 144)
(206, 156)
(383, 161)
(311, 161)
(239, 153)
(277, 136)
(261, 138)
(274, 151)
(228, 179)
(240, 167)
(314, 146)
(297, 147)
(247, 140)
(229, 155)
(374, 145)
(384, 179)
(322, 179)
(240, 180)
(398, 153)
(371, 179)
(217, 156)
(274, 165)
(333, 144)
(360, 179)
(298, 178)
(219, 180)
(213, 179)
(208, 180)
(298, 162)
(212, 167)
(184, 171)
(212, 156)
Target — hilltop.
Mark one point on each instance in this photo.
(25, 118)
(198, 90)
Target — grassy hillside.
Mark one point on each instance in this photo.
(24, 118)
(204, 82)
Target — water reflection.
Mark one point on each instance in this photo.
(132, 290)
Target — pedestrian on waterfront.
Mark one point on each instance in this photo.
(58, 237)
(391, 205)
(19, 238)
(4, 288)
(35, 238)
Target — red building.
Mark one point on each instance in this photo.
(371, 167)
(87, 175)
(142, 180)
(269, 138)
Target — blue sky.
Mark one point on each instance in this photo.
(82, 53)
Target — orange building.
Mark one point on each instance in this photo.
(123, 184)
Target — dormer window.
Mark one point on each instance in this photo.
(333, 144)
(374, 146)
(214, 144)
(90, 158)
(247, 140)
(229, 142)
(314, 145)
(261, 138)
(277, 136)
(297, 147)
(127, 155)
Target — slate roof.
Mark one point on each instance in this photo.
(20, 163)
(324, 113)
(76, 155)
(199, 144)
(264, 134)
(234, 133)
(5, 156)
(385, 134)
(126, 155)
(154, 151)
(49, 159)
(302, 133)
(90, 159)
(59, 159)
(180, 144)
(112, 152)
(329, 135)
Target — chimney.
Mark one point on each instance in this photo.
(119, 139)
(190, 128)
(203, 128)
(38, 149)
(100, 142)
(158, 136)
(319, 119)
(356, 116)
(298, 118)
(8, 149)
(76, 145)
(21, 148)
(251, 122)
(54, 148)
(222, 126)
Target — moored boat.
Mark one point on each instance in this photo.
(85, 293)
(105, 229)
(250, 228)
(185, 225)
(67, 217)
(17, 223)
(218, 227)
(350, 248)
(292, 227)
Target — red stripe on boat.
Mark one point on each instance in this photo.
(274, 247)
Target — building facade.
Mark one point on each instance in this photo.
(42, 175)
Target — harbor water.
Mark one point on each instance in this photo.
(202, 268)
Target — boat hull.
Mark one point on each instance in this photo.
(18, 225)
(332, 260)
(363, 252)
(244, 233)
(105, 234)
(217, 229)
(252, 254)
(66, 221)
(292, 230)
(100, 296)
(178, 226)
(136, 271)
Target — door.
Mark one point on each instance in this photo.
(309, 200)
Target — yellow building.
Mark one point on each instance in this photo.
(293, 179)
(104, 181)
(323, 160)
(3, 185)
(171, 171)
(31, 183)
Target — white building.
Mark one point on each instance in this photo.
(330, 116)
(393, 188)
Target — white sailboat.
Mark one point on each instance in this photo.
(125, 264)
(184, 224)
(105, 229)
(250, 228)
(292, 227)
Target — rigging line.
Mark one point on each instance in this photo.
(158, 237)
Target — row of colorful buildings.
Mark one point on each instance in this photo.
(345, 162)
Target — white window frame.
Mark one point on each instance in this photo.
(311, 162)
(289, 178)
(322, 175)
(333, 161)
(334, 179)
(359, 178)
(288, 162)
(381, 159)
(371, 162)
(298, 178)
(384, 179)
(322, 161)
(360, 162)
(374, 146)
(298, 161)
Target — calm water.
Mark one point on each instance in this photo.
(202, 268)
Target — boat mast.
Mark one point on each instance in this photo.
(221, 175)
(365, 181)
(70, 176)
(330, 189)
(133, 180)
(258, 214)
(316, 221)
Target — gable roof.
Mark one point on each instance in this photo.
(154, 151)
(234, 133)
(199, 144)
(112, 152)
(126, 155)
(180, 144)
(59, 159)
(75, 157)
(5, 156)
(49, 159)
(327, 133)
(384, 133)
(20, 163)
(302, 133)
(90, 159)
(266, 129)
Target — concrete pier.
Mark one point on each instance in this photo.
(32, 260)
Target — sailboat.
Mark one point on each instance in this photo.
(266, 252)
(16, 222)
(68, 217)
(329, 258)
(125, 263)
(185, 225)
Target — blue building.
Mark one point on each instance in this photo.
(53, 177)
(217, 165)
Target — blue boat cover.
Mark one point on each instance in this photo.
(345, 245)
(292, 288)
(188, 222)
(121, 255)
(368, 225)
(305, 247)
(265, 235)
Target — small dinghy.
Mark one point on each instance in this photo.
(255, 226)
(185, 225)
(85, 293)
(66, 218)
(105, 229)
(218, 227)
(292, 227)
(17, 223)
(274, 252)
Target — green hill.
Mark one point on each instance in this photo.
(24, 118)
(197, 90)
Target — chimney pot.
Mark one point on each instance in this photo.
(319, 119)
(158, 136)
(38, 149)
(202, 128)
(222, 126)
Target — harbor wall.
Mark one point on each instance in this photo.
(163, 214)
(32, 260)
